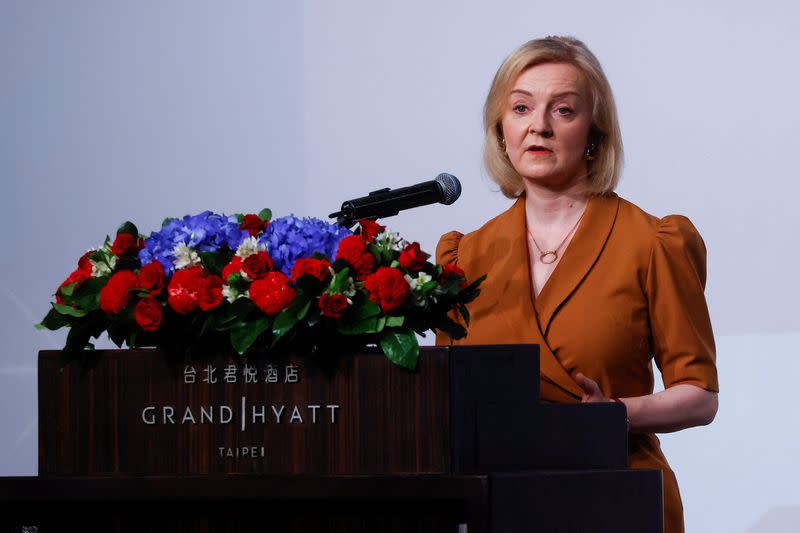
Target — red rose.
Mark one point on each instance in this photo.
(152, 278)
(80, 274)
(333, 305)
(184, 288)
(312, 267)
(126, 245)
(232, 268)
(272, 293)
(369, 229)
(148, 314)
(412, 258)
(452, 270)
(353, 249)
(257, 265)
(253, 224)
(210, 294)
(84, 265)
(388, 288)
(116, 293)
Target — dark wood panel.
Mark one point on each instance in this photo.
(389, 420)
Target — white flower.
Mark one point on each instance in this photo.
(421, 279)
(101, 268)
(390, 240)
(349, 288)
(250, 246)
(185, 256)
(230, 293)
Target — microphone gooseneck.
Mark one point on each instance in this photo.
(383, 203)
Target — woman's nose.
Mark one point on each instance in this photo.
(540, 125)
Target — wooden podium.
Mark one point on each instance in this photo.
(134, 443)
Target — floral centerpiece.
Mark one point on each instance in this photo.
(209, 283)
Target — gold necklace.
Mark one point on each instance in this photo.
(551, 256)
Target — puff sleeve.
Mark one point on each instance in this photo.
(447, 249)
(682, 337)
(447, 253)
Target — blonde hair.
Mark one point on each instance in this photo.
(604, 169)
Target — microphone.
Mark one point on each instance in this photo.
(445, 189)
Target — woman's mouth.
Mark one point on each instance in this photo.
(537, 150)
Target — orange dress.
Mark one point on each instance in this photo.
(628, 290)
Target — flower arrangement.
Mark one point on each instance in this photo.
(209, 283)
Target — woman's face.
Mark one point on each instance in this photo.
(546, 124)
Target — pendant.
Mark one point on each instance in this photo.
(548, 258)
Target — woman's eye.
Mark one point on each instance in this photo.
(564, 111)
(520, 108)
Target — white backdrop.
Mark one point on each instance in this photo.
(138, 110)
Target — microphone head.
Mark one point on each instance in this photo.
(451, 187)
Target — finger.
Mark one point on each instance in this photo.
(589, 386)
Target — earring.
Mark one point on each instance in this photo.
(590, 153)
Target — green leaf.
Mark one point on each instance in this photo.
(283, 323)
(208, 323)
(368, 325)
(227, 322)
(240, 218)
(214, 262)
(401, 347)
(53, 321)
(87, 295)
(366, 310)
(66, 290)
(313, 316)
(339, 281)
(128, 227)
(395, 321)
(265, 215)
(464, 312)
(118, 331)
(241, 307)
(237, 283)
(243, 337)
(69, 310)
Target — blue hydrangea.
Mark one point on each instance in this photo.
(291, 238)
(206, 232)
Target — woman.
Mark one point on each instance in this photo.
(603, 287)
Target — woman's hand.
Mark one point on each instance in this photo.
(591, 391)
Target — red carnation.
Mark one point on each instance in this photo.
(272, 293)
(412, 258)
(452, 270)
(370, 229)
(116, 293)
(152, 277)
(319, 268)
(333, 305)
(232, 268)
(253, 224)
(257, 265)
(148, 314)
(184, 288)
(210, 293)
(388, 288)
(353, 249)
(126, 245)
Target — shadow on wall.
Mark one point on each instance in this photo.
(777, 520)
